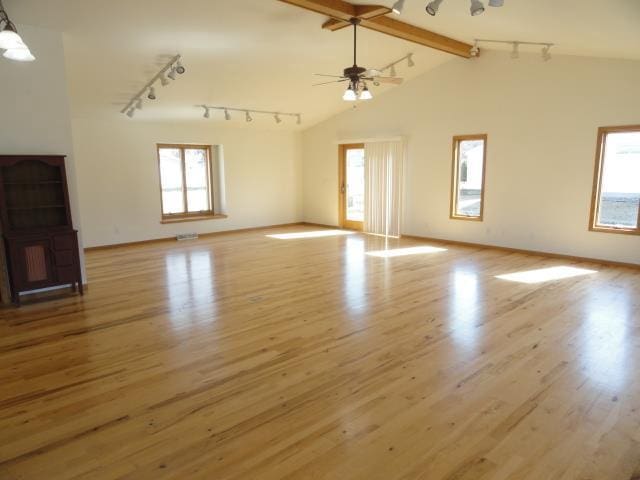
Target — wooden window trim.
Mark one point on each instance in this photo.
(454, 177)
(187, 216)
(597, 182)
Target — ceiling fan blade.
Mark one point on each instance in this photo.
(327, 83)
(324, 75)
(391, 80)
(372, 73)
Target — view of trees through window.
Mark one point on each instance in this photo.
(619, 199)
(185, 179)
(470, 166)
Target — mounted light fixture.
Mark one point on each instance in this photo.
(277, 116)
(515, 52)
(365, 94)
(515, 47)
(149, 90)
(475, 50)
(496, 3)
(179, 68)
(11, 42)
(476, 7)
(410, 62)
(299, 119)
(546, 54)
(350, 94)
(172, 73)
(433, 7)
(398, 7)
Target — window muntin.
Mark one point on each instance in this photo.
(467, 190)
(616, 195)
(185, 180)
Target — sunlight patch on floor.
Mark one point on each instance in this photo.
(313, 234)
(546, 274)
(401, 252)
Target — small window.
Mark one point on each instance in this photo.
(185, 181)
(467, 188)
(616, 186)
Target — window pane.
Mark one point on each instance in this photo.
(355, 184)
(197, 175)
(470, 168)
(620, 189)
(171, 181)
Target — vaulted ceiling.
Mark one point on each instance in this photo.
(261, 54)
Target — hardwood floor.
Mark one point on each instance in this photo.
(250, 357)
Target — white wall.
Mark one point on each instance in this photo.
(34, 107)
(541, 119)
(119, 184)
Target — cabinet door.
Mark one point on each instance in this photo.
(33, 264)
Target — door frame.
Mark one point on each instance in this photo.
(342, 189)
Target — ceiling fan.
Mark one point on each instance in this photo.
(359, 76)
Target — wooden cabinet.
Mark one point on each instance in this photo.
(41, 244)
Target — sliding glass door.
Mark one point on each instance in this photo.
(351, 185)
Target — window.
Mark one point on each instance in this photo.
(185, 181)
(467, 187)
(616, 187)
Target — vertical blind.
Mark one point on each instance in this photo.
(383, 187)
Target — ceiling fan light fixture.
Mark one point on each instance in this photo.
(22, 54)
(9, 38)
(433, 7)
(398, 7)
(476, 7)
(365, 94)
(350, 95)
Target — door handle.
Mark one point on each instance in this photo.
(343, 190)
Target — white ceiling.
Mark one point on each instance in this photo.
(261, 54)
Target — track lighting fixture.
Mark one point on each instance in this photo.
(496, 3)
(476, 7)
(433, 7)
(515, 52)
(149, 89)
(277, 116)
(398, 7)
(172, 73)
(475, 50)
(392, 71)
(179, 68)
(410, 62)
(515, 47)
(11, 42)
(131, 112)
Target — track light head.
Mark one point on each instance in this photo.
(475, 50)
(496, 3)
(248, 117)
(227, 115)
(299, 119)
(207, 112)
(152, 93)
(172, 73)
(179, 68)
(163, 81)
(131, 112)
(392, 71)
(139, 104)
(277, 118)
(410, 61)
(515, 53)
(546, 54)
(433, 7)
(398, 7)
(476, 7)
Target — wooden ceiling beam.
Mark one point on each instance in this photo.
(373, 17)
